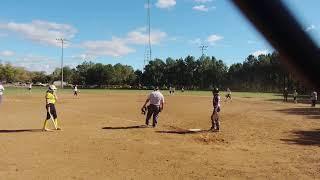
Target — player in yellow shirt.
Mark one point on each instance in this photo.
(51, 99)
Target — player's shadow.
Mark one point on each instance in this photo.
(183, 132)
(125, 127)
(310, 138)
(310, 112)
(20, 130)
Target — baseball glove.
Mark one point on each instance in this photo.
(143, 110)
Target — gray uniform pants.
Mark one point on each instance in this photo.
(153, 110)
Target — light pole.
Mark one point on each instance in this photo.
(148, 48)
(62, 40)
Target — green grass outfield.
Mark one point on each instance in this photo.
(9, 91)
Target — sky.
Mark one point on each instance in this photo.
(113, 32)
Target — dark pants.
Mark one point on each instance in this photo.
(228, 96)
(313, 103)
(153, 110)
(75, 93)
(53, 111)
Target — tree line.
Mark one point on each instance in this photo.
(262, 73)
(10, 74)
(86, 74)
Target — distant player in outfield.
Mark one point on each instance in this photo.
(295, 96)
(170, 90)
(285, 95)
(173, 90)
(228, 96)
(314, 98)
(182, 89)
(30, 87)
(1, 92)
(75, 90)
(51, 99)
(156, 105)
(216, 109)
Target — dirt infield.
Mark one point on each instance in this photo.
(102, 139)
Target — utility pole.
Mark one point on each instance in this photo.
(203, 48)
(148, 49)
(62, 40)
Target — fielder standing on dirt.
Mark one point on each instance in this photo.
(295, 96)
(51, 99)
(1, 92)
(30, 87)
(216, 109)
(314, 98)
(156, 105)
(285, 95)
(75, 90)
(228, 96)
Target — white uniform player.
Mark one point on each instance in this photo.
(156, 105)
(1, 92)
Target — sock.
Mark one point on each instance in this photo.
(56, 123)
(218, 124)
(45, 124)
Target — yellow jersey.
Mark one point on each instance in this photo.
(51, 98)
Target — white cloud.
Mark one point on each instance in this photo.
(202, 8)
(202, 1)
(214, 38)
(43, 32)
(7, 53)
(164, 4)
(115, 47)
(121, 46)
(83, 57)
(310, 28)
(260, 52)
(140, 36)
(37, 63)
(42, 63)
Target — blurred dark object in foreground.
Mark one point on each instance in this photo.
(297, 50)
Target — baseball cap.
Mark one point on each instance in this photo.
(53, 87)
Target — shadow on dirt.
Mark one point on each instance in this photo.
(20, 130)
(310, 138)
(126, 127)
(183, 132)
(312, 113)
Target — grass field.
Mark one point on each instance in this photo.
(22, 91)
(261, 137)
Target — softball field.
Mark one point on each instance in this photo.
(102, 138)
